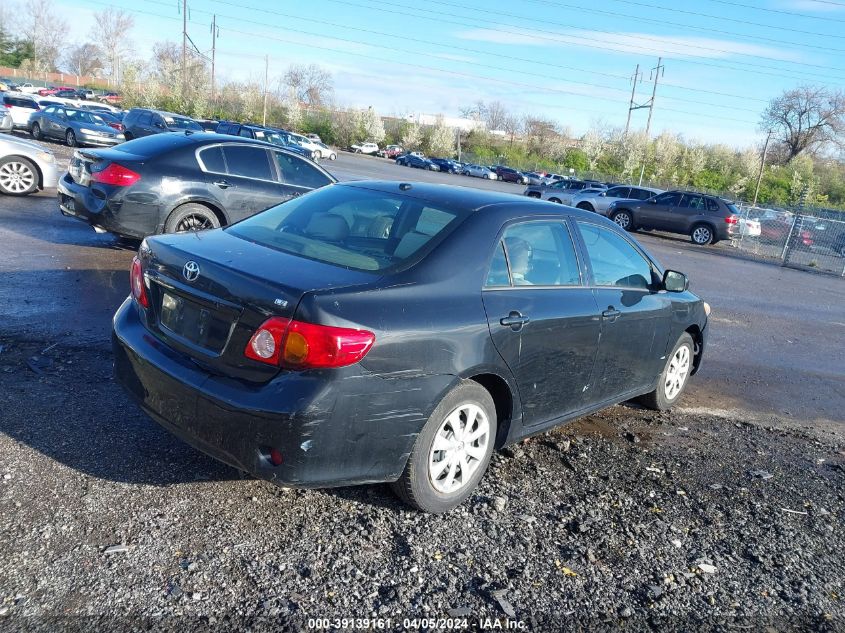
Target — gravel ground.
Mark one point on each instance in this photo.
(628, 518)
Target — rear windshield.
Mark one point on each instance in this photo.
(356, 228)
(178, 123)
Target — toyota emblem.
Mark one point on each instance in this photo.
(191, 271)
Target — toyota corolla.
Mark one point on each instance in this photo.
(395, 332)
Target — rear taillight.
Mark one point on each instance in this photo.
(116, 126)
(732, 219)
(298, 345)
(8, 105)
(115, 174)
(136, 281)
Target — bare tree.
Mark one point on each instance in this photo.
(805, 119)
(112, 29)
(495, 115)
(512, 125)
(40, 24)
(311, 84)
(83, 59)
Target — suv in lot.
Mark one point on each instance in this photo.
(706, 219)
(20, 107)
(140, 122)
(267, 134)
(509, 174)
(364, 148)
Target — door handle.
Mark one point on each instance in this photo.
(611, 314)
(514, 320)
(223, 184)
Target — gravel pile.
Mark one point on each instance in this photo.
(627, 519)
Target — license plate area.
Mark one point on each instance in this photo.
(193, 322)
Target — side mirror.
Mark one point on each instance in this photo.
(652, 201)
(673, 281)
(158, 125)
(603, 194)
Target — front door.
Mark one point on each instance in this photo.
(660, 212)
(634, 315)
(543, 320)
(250, 184)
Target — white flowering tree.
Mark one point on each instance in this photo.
(372, 127)
(441, 139)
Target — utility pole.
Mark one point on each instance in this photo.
(631, 105)
(762, 166)
(213, 54)
(266, 74)
(657, 71)
(184, 46)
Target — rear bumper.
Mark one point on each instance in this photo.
(331, 431)
(109, 213)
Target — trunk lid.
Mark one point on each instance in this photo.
(83, 160)
(210, 292)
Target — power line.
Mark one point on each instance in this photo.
(466, 49)
(603, 46)
(428, 68)
(780, 11)
(717, 17)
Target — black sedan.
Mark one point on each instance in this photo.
(167, 183)
(343, 345)
(412, 160)
(447, 165)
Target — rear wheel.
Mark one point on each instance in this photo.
(36, 131)
(701, 235)
(332, 156)
(533, 194)
(624, 220)
(452, 452)
(586, 206)
(191, 217)
(128, 136)
(70, 138)
(555, 200)
(18, 176)
(673, 378)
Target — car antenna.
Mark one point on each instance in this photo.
(404, 186)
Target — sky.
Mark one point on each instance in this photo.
(567, 60)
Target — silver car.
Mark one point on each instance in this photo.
(479, 171)
(25, 166)
(599, 200)
(74, 126)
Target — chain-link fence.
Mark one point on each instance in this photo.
(805, 239)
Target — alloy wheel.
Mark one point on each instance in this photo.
(701, 235)
(459, 448)
(677, 373)
(623, 220)
(16, 177)
(194, 222)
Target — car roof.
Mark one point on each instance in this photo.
(163, 112)
(466, 197)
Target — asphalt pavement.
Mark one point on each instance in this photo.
(725, 512)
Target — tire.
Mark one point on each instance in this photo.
(586, 206)
(191, 217)
(671, 385)
(533, 194)
(624, 220)
(128, 136)
(332, 156)
(70, 139)
(18, 176)
(701, 235)
(36, 131)
(555, 200)
(357, 151)
(425, 486)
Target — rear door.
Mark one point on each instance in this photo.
(635, 318)
(688, 212)
(53, 122)
(543, 320)
(296, 175)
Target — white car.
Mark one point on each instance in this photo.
(326, 151)
(479, 171)
(20, 106)
(364, 148)
(29, 89)
(746, 227)
(25, 167)
(304, 141)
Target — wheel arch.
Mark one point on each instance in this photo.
(698, 350)
(503, 398)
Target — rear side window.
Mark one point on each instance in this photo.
(669, 198)
(145, 118)
(617, 192)
(212, 158)
(245, 132)
(295, 171)
(712, 205)
(614, 261)
(692, 202)
(641, 194)
(541, 254)
(248, 162)
(355, 228)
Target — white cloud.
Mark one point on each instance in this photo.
(633, 42)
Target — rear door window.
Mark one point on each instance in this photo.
(295, 171)
(248, 162)
(618, 192)
(670, 199)
(212, 160)
(538, 254)
(693, 202)
(145, 119)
